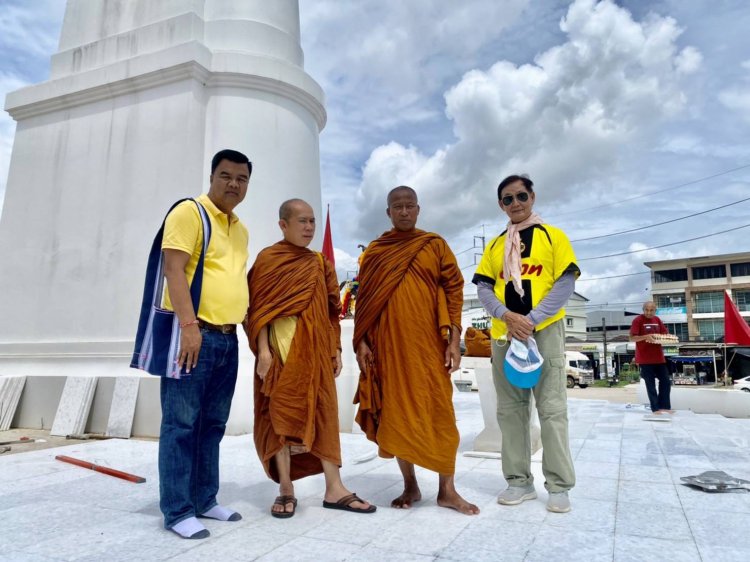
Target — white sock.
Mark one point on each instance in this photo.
(222, 514)
(191, 528)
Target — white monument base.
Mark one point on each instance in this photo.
(727, 402)
(45, 381)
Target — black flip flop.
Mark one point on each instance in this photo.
(282, 501)
(344, 504)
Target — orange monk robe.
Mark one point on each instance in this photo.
(296, 404)
(410, 293)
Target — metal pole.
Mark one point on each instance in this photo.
(604, 340)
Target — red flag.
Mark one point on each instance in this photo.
(327, 240)
(736, 329)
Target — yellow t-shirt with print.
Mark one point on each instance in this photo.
(546, 254)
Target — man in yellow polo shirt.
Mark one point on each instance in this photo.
(195, 407)
(526, 276)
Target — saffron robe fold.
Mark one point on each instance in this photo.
(410, 293)
(296, 404)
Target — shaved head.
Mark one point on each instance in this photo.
(287, 208)
(401, 189)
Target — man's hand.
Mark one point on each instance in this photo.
(519, 326)
(263, 364)
(190, 346)
(365, 357)
(338, 365)
(452, 357)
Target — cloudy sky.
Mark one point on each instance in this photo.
(625, 114)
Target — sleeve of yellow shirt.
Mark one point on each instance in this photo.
(564, 257)
(183, 230)
(487, 270)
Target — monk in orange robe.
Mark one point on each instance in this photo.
(406, 335)
(293, 330)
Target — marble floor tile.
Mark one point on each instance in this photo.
(597, 469)
(648, 493)
(552, 543)
(489, 539)
(425, 531)
(645, 549)
(374, 554)
(589, 487)
(588, 454)
(642, 520)
(719, 529)
(304, 549)
(586, 515)
(641, 473)
(712, 553)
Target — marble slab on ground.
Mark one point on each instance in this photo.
(124, 397)
(628, 504)
(11, 388)
(75, 404)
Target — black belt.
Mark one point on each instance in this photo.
(223, 328)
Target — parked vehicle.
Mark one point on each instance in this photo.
(742, 384)
(578, 369)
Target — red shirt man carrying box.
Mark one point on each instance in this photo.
(650, 357)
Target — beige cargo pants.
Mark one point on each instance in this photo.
(551, 402)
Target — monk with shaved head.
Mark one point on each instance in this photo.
(406, 334)
(293, 330)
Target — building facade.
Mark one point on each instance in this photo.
(689, 293)
(616, 323)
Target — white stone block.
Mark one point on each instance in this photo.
(75, 404)
(121, 413)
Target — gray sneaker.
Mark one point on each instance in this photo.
(558, 502)
(513, 495)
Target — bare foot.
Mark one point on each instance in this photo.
(454, 501)
(405, 500)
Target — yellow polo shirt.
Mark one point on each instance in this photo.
(546, 254)
(224, 296)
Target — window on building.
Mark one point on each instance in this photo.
(709, 272)
(740, 269)
(670, 275)
(569, 322)
(679, 329)
(710, 301)
(710, 329)
(742, 300)
(670, 301)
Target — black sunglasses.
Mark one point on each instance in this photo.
(522, 196)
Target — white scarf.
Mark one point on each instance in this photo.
(512, 261)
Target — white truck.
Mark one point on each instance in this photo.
(578, 369)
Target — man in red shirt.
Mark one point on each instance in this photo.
(650, 358)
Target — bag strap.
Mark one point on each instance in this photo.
(158, 256)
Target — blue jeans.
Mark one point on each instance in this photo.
(194, 412)
(650, 374)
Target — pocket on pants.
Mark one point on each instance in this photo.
(553, 392)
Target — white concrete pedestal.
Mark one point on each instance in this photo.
(346, 383)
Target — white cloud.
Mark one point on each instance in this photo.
(737, 99)
(346, 264)
(563, 119)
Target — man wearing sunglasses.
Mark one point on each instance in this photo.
(524, 279)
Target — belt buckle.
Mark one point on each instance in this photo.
(226, 329)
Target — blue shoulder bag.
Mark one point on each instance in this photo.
(157, 342)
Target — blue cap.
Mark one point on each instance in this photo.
(523, 363)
